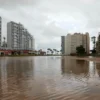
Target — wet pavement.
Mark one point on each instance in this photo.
(48, 78)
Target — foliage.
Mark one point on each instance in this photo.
(93, 51)
(52, 51)
(56, 51)
(49, 49)
(80, 50)
(94, 43)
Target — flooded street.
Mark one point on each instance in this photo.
(48, 78)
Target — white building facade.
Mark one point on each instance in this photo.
(0, 30)
(18, 38)
(74, 40)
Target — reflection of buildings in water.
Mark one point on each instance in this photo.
(92, 69)
(14, 72)
(63, 65)
(20, 68)
(3, 76)
(74, 66)
(98, 68)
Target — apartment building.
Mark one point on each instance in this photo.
(18, 37)
(0, 30)
(68, 44)
(63, 44)
(74, 40)
(98, 44)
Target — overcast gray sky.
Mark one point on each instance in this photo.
(47, 20)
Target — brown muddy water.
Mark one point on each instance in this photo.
(49, 78)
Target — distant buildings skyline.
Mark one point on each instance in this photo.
(18, 37)
(1, 42)
(74, 40)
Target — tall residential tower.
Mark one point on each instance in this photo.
(0, 30)
(18, 38)
(74, 40)
(98, 44)
(63, 44)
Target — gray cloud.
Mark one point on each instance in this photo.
(47, 20)
(9, 4)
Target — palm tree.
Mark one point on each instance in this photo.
(52, 51)
(94, 43)
(49, 49)
(58, 51)
(55, 51)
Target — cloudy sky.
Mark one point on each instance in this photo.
(47, 20)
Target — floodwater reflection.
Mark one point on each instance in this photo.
(77, 67)
(49, 78)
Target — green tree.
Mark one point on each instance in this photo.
(51, 51)
(80, 50)
(60, 51)
(48, 50)
(55, 50)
